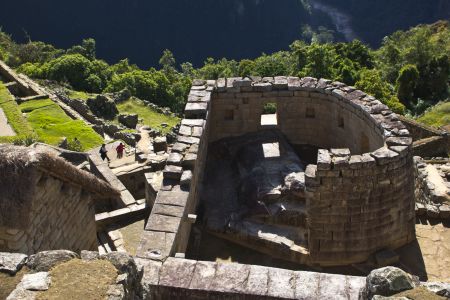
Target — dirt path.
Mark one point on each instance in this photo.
(5, 128)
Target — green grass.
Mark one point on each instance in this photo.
(14, 115)
(438, 116)
(79, 95)
(150, 117)
(51, 124)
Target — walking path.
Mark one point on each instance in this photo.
(5, 128)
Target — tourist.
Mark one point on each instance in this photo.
(119, 150)
(103, 152)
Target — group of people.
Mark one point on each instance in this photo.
(104, 152)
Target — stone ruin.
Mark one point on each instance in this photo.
(354, 197)
(47, 203)
(325, 177)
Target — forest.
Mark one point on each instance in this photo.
(409, 71)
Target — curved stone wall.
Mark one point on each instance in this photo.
(359, 194)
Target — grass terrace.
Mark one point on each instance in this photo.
(51, 124)
(150, 117)
(438, 116)
(79, 95)
(14, 115)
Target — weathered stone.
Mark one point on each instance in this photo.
(439, 288)
(89, 255)
(160, 144)
(384, 155)
(388, 281)
(11, 263)
(36, 282)
(186, 178)
(129, 120)
(444, 211)
(323, 160)
(45, 260)
(175, 159)
(340, 152)
(172, 172)
(432, 211)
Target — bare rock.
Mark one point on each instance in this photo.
(439, 288)
(44, 261)
(388, 281)
(129, 120)
(36, 282)
(11, 263)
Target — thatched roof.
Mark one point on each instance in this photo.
(17, 167)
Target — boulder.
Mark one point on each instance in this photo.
(129, 120)
(45, 260)
(388, 281)
(11, 263)
(103, 106)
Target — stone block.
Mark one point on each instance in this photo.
(323, 160)
(196, 110)
(155, 245)
(177, 273)
(384, 155)
(186, 178)
(444, 212)
(281, 283)
(163, 223)
(203, 275)
(175, 159)
(172, 172)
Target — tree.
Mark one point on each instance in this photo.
(167, 62)
(75, 68)
(246, 67)
(370, 81)
(406, 84)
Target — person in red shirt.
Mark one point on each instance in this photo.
(120, 148)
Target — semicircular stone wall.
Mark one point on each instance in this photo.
(359, 194)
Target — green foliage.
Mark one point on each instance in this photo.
(74, 145)
(87, 49)
(406, 83)
(270, 108)
(214, 70)
(371, 82)
(426, 47)
(276, 64)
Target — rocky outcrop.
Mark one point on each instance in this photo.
(103, 106)
(129, 120)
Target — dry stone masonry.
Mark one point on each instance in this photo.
(358, 195)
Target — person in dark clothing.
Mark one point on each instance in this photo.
(103, 152)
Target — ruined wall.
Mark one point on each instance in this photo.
(359, 204)
(360, 199)
(305, 117)
(62, 216)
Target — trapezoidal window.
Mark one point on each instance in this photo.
(269, 117)
(341, 123)
(310, 113)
